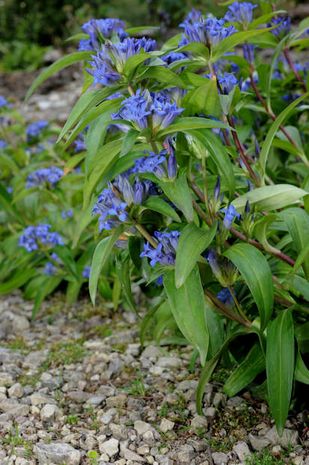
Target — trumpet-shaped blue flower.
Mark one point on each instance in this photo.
(111, 210)
(109, 62)
(165, 252)
(34, 237)
(86, 272)
(227, 82)
(230, 214)
(225, 296)
(240, 12)
(50, 176)
(100, 29)
(248, 52)
(209, 31)
(33, 130)
(171, 57)
(162, 164)
(283, 26)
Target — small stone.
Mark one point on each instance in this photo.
(35, 359)
(276, 451)
(151, 352)
(288, 438)
(116, 401)
(166, 425)
(57, 454)
(110, 447)
(14, 408)
(78, 396)
(298, 460)
(210, 412)
(141, 427)
(220, 458)
(130, 455)
(49, 412)
(148, 438)
(258, 443)
(242, 450)
(6, 380)
(37, 398)
(143, 450)
(95, 400)
(199, 422)
(219, 399)
(16, 390)
(185, 454)
(169, 362)
(107, 417)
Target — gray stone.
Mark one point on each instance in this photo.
(110, 447)
(78, 396)
(35, 359)
(57, 454)
(210, 412)
(219, 458)
(151, 352)
(38, 398)
(258, 442)
(14, 408)
(288, 438)
(16, 391)
(242, 450)
(142, 427)
(166, 425)
(199, 422)
(95, 400)
(49, 412)
(185, 454)
(6, 380)
(130, 455)
(169, 362)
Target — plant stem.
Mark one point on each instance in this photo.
(146, 235)
(294, 70)
(224, 310)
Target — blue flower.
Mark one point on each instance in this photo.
(100, 29)
(50, 269)
(171, 57)
(3, 102)
(225, 296)
(283, 26)
(230, 214)
(108, 64)
(165, 252)
(111, 210)
(158, 164)
(240, 12)
(248, 52)
(209, 31)
(227, 82)
(66, 214)
(3, 144)
(35, 236)
(79, 144)
(50, 176)
(33, 130)
(86, 272)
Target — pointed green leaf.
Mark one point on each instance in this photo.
(159, 205)
(301, 371)
(192, 122)
(245, 373)
(280, 366)
(188, 307)
(258, 277)
(100, 257)
(60, 64)
(179, 193)
(192, 242)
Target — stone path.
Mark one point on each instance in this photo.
(76, 388)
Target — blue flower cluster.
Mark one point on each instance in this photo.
(108, 63)
(3, 144)
(113, 202)
(50, 176)
(283, 26)
(207, 30)
(86, 272)
(33, 130)
(162, 165)
(100, 29)
(240, 12)
(66, 214)
(79, 144)
(157, 107)
(35, 236)
(230, 213)
(50, 269)
(165, 252)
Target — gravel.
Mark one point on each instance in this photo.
(69, 396)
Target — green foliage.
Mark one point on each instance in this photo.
(204, 204)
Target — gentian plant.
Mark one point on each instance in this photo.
(197, 172)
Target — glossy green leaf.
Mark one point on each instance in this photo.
(179, 193)
(188, 307)
(245, 373)
(280, 366)
(100, 257)
(301, 371)
(274, 129)
(192, 242)
(191, 123)
(204, 99)
(230, 42)
(258, 277)
(270, 197)
(60, 64)
(159, 205)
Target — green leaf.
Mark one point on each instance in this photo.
(280, 366)
(204, 99)
(159, 205)
(192, 122)
(245, 373)
(188, 307)
(17, 280)
(270, 197)
(299, 285)
(133, 62)
(179, 193)
(274, 129)
(100, 257)
(163, 75)
(105, 157)
(124, 276)
(297, 222)
(46, 288)
(301, 371)
(235, 39)
(192, 242)
(60, 64)
(258, 277)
